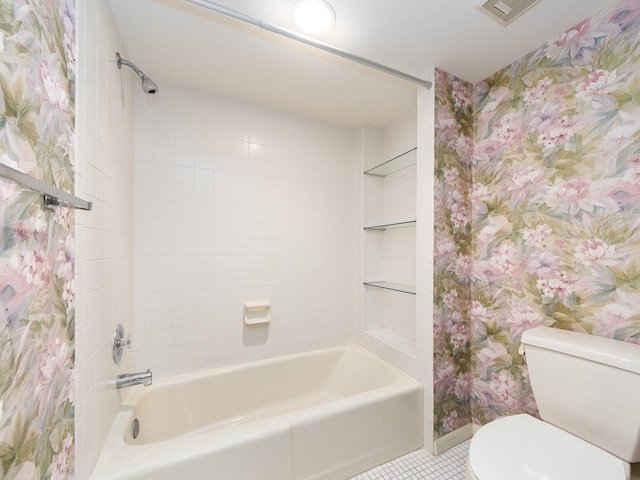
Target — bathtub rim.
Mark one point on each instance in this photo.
(130, 396)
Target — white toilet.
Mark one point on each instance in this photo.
(588, 393)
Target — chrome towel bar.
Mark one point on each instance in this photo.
(53, 196)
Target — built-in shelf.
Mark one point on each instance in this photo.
(393, 286)
(390, 226)
(389, 253)
(395, 164)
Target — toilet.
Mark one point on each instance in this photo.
(587, 389)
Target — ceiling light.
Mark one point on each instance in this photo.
(313, 16)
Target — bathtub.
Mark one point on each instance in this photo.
(326, 414)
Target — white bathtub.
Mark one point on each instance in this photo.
(327, 414)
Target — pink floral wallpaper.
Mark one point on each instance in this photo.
(453, 268)
(37, 76)
(551, 197)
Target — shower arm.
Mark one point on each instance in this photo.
(121, 61)
(309, 41)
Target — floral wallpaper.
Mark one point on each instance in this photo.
(37, 76)
(551, 191)
(453, 251)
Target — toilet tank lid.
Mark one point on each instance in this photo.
(607, 351)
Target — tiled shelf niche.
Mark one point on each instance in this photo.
(390, 253)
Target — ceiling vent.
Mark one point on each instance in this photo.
(506, 11)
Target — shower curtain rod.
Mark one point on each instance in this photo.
(53, 196)
(309, 41)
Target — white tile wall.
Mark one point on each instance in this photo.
(400, 136)
(235, 203)
(104, 236)
(399, 196)
(424, 251)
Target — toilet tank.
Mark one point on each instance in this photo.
(588, 386)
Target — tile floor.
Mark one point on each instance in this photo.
(421, 465)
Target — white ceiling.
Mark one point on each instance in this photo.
(174, 41)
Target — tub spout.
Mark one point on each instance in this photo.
(130, 379)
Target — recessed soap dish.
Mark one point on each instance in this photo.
(257, 313)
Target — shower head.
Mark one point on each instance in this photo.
(148, 85)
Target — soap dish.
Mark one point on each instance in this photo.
(257, 313)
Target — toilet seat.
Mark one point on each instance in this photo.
(521, 447)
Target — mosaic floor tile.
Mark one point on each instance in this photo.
(421, 465)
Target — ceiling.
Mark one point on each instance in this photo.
(176, 42)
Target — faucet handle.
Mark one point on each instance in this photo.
(123, 342)
(119, 342)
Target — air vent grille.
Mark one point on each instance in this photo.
(506, 11)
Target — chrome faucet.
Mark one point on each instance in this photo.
(131, 379)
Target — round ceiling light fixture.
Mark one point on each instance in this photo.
(313, 16)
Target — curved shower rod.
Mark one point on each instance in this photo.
(309, 41)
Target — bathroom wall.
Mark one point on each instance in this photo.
(104, 260)
(555, 201)
(425, 211)
(235, 203)
(554, 211)
(400, 135)
(453, 142)
(37, 248)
